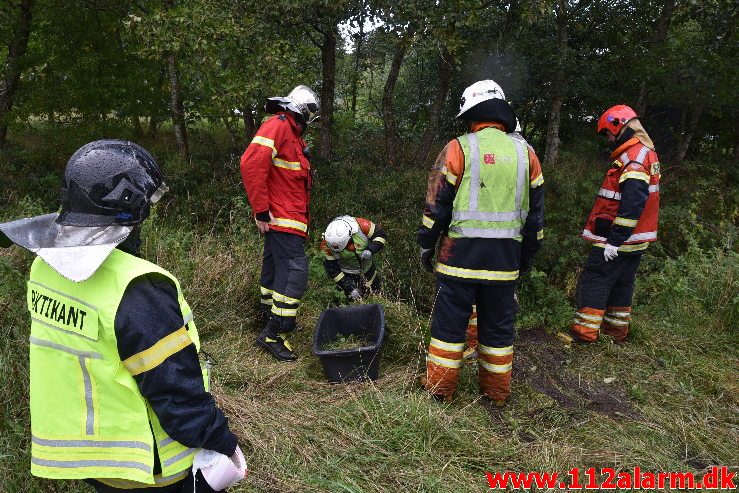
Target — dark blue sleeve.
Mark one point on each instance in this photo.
(533, 228)
(634, 195)
(149, 312)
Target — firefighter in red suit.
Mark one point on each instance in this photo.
(277, 177)
(621, 225)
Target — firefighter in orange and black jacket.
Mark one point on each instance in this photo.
(621, 225)
(277, 177)
(485, 207)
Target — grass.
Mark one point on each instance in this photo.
(671, 402)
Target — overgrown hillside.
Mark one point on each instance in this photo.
(665, 400)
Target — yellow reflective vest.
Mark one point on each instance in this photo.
(492, 200)
(88, 418)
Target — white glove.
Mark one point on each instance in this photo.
(610, 252)
(220, 471)
(366, 255)
(355, 295)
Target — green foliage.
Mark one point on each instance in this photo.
(700, 287)
(300, 433)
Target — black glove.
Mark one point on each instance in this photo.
(427, 258)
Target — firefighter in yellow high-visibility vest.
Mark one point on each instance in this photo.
(118, 394)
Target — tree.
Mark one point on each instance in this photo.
(17, 43)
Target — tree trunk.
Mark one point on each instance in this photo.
(660, 35)
(16, 51)
(250, 126)
(357, 58)
(138, 130)
(511, 21)
(688, 134)
(176, 107)
(558, 81)
(153, 129)
(328, 89)
(388, 116)
(446, 69)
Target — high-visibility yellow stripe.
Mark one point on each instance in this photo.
(495, 368)
(538, 181)
(428, 222)
(371, 232)
(265, 291)
(155, 355)
(258, 139)
(266, 301)
(540, 234)
(446, 346)
(284, 299)
(284, 312)
(473, 321)
(290, 223)
(495, 351)
(486, 275)
(445, 362)
(626, 248)
(615, 321)
(381, 240)
(339, 277)
(637, 175)
(452, 179)
(622, 221)
(291, 165)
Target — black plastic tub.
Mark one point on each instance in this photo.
(350, 365)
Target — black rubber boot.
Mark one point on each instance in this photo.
(275, 344)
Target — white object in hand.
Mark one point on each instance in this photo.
(610, 252)
(220, 471)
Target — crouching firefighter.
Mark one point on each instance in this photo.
(349, 247)
(621, 225)
(118, 395)
(486, 202)
(277, 178)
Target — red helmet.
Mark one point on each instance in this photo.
(615, 118)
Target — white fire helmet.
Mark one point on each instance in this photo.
(477, 93)
(339, 232)
(301, 100)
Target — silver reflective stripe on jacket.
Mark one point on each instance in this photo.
(486, 233)
(635, 237)
(74, 464)
(610, 194)
(179, 457)
(91, 443)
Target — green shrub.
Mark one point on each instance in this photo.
(698, 287)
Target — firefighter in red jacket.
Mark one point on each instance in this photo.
(277, 178)
(621, 225)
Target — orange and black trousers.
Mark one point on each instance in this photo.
(604, 295)
(495, 317)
